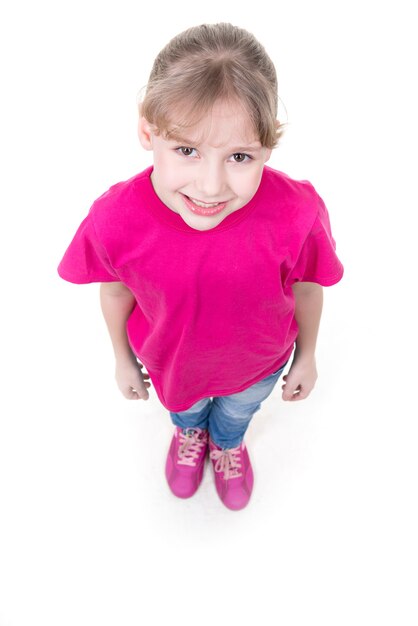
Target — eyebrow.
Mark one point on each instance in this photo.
(250, 147)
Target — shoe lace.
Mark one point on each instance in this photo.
(227, 461)
(191, 446)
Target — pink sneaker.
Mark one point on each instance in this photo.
(186, 461)
(234, 477)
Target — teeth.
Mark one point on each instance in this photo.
(204, 206)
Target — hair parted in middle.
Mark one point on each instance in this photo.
(206, 64)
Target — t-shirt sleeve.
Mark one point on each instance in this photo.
(86, 260)
(318, 261)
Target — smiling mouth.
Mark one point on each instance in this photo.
(202, 208)
(204, 205)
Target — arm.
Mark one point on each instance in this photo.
(302, 375)
(117, 303)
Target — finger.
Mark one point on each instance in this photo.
(136, 396)
(131, 394)
(142, 394)
(301, 395)
(288, 393)
(292, 398)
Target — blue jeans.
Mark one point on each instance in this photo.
(227, 417)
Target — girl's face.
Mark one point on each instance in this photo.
(213, 171)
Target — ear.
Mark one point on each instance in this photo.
(267, 154)
(145, 133)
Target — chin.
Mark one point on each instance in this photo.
(202, 224)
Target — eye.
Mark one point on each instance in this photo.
(240, 157)
(185, 151)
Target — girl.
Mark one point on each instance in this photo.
(211, 263)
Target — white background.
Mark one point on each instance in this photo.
(89, 532)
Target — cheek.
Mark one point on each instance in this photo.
(247, 183)
(167, 171)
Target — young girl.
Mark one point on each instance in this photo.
(211, 262)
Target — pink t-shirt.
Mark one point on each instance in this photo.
(214, 310)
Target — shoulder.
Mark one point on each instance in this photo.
(118, 210)
(298, 199)
(119, 195)
(291, 189)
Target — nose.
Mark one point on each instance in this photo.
(211, 182)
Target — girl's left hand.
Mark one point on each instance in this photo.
(300, 379)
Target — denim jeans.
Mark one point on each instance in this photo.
(227, 417)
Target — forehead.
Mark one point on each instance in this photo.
(225, 125)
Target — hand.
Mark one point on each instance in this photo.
(130, 380)
(300, 380)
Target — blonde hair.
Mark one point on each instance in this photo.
(203, 65)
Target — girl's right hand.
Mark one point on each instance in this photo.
(131, 380)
